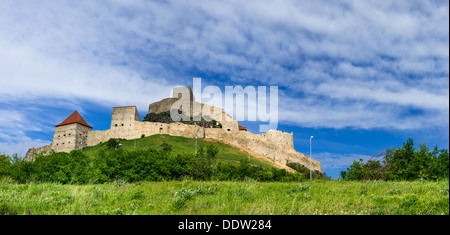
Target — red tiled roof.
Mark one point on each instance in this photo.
(75, 117)
(242, 128)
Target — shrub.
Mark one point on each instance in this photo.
(4, 165)
(112, 143)
(405, 163)
(304, 171)
(109, 165)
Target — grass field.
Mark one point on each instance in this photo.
(247, 197)
(227, 153)
(227, 198)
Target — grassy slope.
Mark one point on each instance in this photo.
(227, 198)
(179, 144)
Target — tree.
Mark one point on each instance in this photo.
(112, 143)
(405, 163)
(4, 165)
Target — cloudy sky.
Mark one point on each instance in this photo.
(358, 75)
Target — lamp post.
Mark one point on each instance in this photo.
(249, 151)
(310, 157)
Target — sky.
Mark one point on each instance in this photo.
(359, 76)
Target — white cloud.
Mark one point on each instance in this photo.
(361, 64)
(20, 146)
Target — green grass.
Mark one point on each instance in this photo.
(180, 144)
(227, 198)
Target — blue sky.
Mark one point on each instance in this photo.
(360, 76)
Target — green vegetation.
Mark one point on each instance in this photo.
(227, 198)
(165, 117)
(306, 173)
(157, 161)
(162, 174)
(405, 163)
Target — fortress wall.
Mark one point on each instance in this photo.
(262, 144)
(162, 106)
(279, 137)
(31, 153)
(297, 157)
(96, 137)
(275, 145)
(125, 132)
(150, 128)
(188, 131)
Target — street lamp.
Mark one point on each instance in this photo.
(310, 157)
(249, 150)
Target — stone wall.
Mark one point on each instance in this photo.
(97, 137)
(270, 145)
(124, 117)
(70, 137)
(275, 145)
(31, 153)
(279, 138)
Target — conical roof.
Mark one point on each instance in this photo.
(75, 117)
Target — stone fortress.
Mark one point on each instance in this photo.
(76, 133)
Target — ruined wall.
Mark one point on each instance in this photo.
(162, 106)
(263, 144)
(279, 138)
(195, 108)
(31, 153)
(275, 145)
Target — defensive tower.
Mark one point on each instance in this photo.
(71, 134)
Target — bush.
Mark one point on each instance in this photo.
(110, 165)
(4, 165)
(165, 117)
(304, 171)
(112, 143)
(405, 163)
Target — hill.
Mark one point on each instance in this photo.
(153, 158)
(227, 153)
